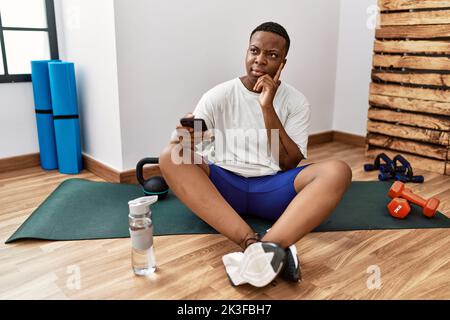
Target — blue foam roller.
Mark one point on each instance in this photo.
(44, 117)
(47, 142)
(65, 115)
(41, 84)
(68, 144)
(63, 88)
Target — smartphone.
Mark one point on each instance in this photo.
(189, 122)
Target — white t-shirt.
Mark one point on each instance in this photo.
(240, 142)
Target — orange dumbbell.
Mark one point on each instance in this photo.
(429, 206)
(399, 208)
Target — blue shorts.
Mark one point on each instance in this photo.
(265, 197)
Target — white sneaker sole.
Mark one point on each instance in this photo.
(258, 265)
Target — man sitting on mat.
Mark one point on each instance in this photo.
(221, 186)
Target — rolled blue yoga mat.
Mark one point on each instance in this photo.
(65, 114)
(44, 116)
(47, 142)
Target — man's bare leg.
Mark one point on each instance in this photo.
(191, 184)
(319, 188)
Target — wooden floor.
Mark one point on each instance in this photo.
(414, 264)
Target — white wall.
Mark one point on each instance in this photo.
(354, 65)
(170, 52)
(86, 33)
(18, 132)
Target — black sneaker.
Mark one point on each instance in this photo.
(291, 270)
(258, 265)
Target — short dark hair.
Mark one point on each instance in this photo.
(274, 28)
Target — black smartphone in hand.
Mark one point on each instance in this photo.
(189, 122)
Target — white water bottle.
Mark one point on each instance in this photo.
(141, 233)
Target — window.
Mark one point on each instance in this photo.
(27, 32)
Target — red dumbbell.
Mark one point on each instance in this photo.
(429, 206)
(399, 208)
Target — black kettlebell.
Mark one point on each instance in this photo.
(155, 185)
